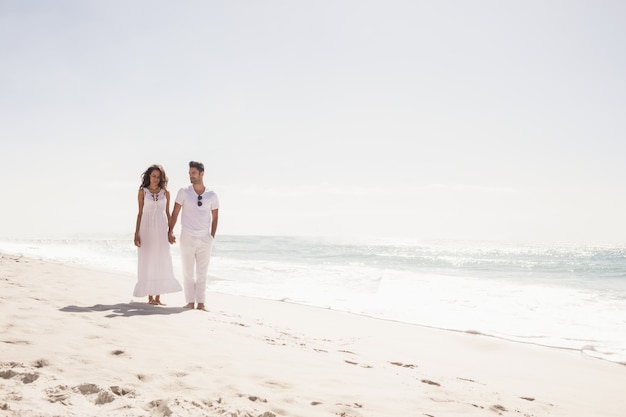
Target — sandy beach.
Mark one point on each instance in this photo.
(74, 342)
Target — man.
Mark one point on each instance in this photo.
(199, 224)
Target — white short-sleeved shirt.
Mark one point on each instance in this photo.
(196, 220)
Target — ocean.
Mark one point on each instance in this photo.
(562, 296)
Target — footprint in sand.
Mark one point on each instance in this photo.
(102, 396)
(254, 398)
(352, 362)
(59, 394)
(16, 371)
(356, 363)
(219, 407)
(122, 392)
(429, 382)
(347, 413)
(87, 389)
(40, 363)
(274, 342)
(403, 365)
(16, 342)
(277, 385)
(159, 408)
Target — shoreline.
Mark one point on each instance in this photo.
(586, 350)
(544, 310)
(71, 346)
(583, 351)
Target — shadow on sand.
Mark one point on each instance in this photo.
(126, 309)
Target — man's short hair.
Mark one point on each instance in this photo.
(197, 165)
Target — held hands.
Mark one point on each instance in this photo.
(171, 237)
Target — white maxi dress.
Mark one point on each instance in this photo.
(155, 272)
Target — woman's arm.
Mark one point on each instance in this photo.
(140, 198)
(167, 206)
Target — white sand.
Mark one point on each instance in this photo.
(74, 343)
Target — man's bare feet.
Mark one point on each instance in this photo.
(189, 305)
(201, 307)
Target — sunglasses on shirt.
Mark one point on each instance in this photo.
(199, 200)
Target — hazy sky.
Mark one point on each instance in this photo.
(427, 119)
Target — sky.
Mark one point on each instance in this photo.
(473, 120)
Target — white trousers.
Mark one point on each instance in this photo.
(195, 254)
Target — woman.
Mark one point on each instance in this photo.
(155, 273)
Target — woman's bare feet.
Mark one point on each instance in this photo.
(155, 301)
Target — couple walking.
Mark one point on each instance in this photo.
(154, 234)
